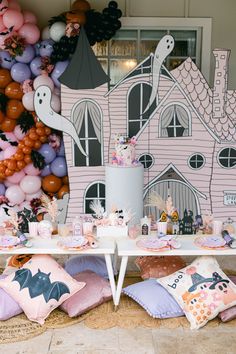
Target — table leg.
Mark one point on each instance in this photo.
(111, 275)
(121, 277)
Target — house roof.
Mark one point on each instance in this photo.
(84, 70)
(196, 87)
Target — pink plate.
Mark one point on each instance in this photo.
(8, 242)
(73, 242)
(152, 244)
(210, 241)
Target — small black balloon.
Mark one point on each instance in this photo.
(119, 13)
(113, 4)
(117, 25)
(64, 40)
(106, 11)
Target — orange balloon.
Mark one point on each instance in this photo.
(37, 145)
(12, 165)
(14, 109)
(51, 184)
(14, 91)
(65, 180)
(9, 172)
(43, 139)
(26, 150)
(21, 144)
(1, 117)
(40, 131)
(81, 5)
(63, 190)
(28, 142)
(21, 164)
(27, 159)
(19, 155)
(39, 125)
(5, 78)
(8, 125)
(33, 136)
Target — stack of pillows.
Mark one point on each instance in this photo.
(39, 285)
(201, 291)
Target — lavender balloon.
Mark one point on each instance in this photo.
(46, 171)
(59, 167)
(2, 189)
(61, 151)
(46, 48)
(6, 60)
(48, 152)
(59, 69)
(35, 66)
(20, 72)
(27, 55)
(36, 48)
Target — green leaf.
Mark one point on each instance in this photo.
(26, 121)
(3, 102)
(38, 160)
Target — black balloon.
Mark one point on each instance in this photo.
(113, 4)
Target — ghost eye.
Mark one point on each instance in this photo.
(221, 287)
(224, 285)
(38, 94)
(44, 94)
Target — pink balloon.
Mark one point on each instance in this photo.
(2, 155)
(16, 178)
(1, 24)
(31, 170)
(15, 194)
(11, 150)
(29, 197)
(8, 184)
(3, 7)
(13, 4)
(5, 144)
(30, 32)
(43, 80)
(18, 132)
(30, 184)
(57, 91)
(28, 101)
(56, 103)
(29, 17)
(13, 18)
(25, 205)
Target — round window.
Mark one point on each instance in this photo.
(146, 160)
(196, 161)
(227, 157)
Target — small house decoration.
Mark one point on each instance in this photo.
(186, 224)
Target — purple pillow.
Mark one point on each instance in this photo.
(96, 291)
(8, 307)
(229, 314)
(96, 264)
(154, 299)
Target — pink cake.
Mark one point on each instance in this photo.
(124, 154)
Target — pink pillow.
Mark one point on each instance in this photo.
(96, 291)
(158, 266)
(40, 286)
(229, 314)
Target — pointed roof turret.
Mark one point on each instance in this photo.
(84, 70)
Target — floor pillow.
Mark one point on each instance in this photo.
(201, 289)
(8, 306)
(230, 313)
(77, 264)
(158, 266)
(96, 291)
(154, 299)
(40, 286)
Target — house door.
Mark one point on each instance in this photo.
(183, 197)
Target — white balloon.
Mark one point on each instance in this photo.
(57, 30)
(28, 101)
(45, 33)
(42, 80)
(29, 197)
(30, 184)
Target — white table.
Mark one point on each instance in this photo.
(127, 247)
(49, 246)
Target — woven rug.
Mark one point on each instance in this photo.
(129, 315)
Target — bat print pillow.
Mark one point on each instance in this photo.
(40, 286)
(201, 289)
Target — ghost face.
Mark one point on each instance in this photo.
(165, 47)
(42, 97)
(225, 292)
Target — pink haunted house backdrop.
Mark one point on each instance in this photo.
(186, 138)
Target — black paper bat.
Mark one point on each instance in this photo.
(40, 284)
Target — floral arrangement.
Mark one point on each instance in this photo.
(27, 86)
(116, 218)
(167, 208)
(46, 65)
(15, 45)
(49, 206)
(124, 153)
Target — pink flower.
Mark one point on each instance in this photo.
(27, 86)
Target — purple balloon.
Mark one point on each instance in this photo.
(6, 61)
(35, 66)
(36, 48)
(59, 69)
(2, 189)
(46, 48)
(61, 151)
(48, 152)
(27, 55)
(20, 72)
(46, 171)
(59, 167)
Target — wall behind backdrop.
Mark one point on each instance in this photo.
(221, 11)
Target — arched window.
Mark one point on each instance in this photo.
(95, 191)
(227, 157)
(137, 102)
(87, 120)
(174, 122)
